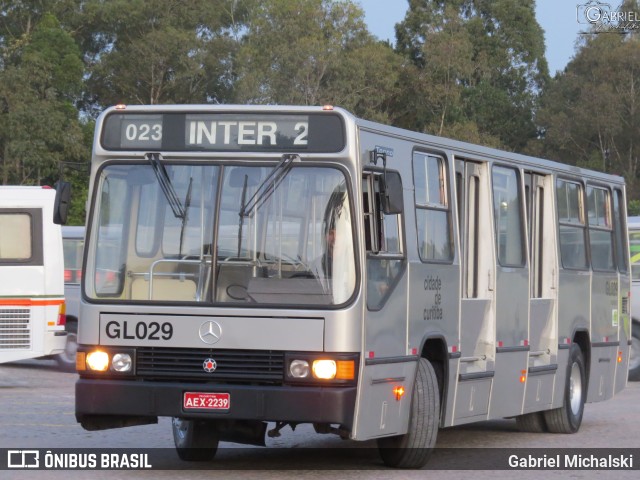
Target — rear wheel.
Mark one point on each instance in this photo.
(531, 422)
(412, 450)
(568, 417)
(634, 357)
(195, 440)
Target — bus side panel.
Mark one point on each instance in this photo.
(624, 334)
(574, 286)
(434, 312)
(379, 411)
(472, 400)
(605, 319)
(512, 328)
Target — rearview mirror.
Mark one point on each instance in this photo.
(62, 202)
(391, 190)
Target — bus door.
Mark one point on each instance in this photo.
(477, 325)
(387, 365)
(543, 271)
(605, 314)
(512, 291)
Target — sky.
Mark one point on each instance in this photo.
(556, 17)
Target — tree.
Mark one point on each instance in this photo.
(166, 51)
(478, 68)
(590, 113)
(40, 76)
(314, 52)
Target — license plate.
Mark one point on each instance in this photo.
(206, 401)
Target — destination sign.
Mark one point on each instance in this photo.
(319, 133)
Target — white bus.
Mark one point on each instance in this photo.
(634, 246)
(73, 246)
(32, 307)
(247, 266)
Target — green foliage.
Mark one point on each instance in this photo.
(314, 52)
(480, 66)
(590, 113)
(468, 69)
(41, 75)
(633, 208)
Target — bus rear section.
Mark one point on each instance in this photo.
(32, 308)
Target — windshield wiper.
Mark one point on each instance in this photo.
(268, 185)
(185, 218)
(166, 185)
(264, 191)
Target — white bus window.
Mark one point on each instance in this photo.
(508, 216)
(15, 236)
(573, 249)
(600, 228)
(432, 214)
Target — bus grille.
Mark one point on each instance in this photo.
(15, 329)
(233, 366)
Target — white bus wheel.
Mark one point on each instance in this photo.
(196, 441)
(412, 450)
(568, 417)
(67, 359)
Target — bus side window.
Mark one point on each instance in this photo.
(385, 256)
(433, 221)
(622, 258)
(573, 251)
(600, 228)
(507, 213)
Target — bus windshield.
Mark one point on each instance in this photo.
(202, 243)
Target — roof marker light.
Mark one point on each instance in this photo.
(120, 106)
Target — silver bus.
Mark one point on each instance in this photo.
(251, 267)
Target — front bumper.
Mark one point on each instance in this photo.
(127, 398)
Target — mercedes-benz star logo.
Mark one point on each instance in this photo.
(210, 332)
(209, 365)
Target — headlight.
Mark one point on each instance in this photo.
(299, 369)
(121, 362)
(324, 369)
(98, 361)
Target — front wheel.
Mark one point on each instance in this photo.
(568, 417)
(195, 440)
(412, 450)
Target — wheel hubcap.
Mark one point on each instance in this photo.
(180, 429)
(575, 389)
